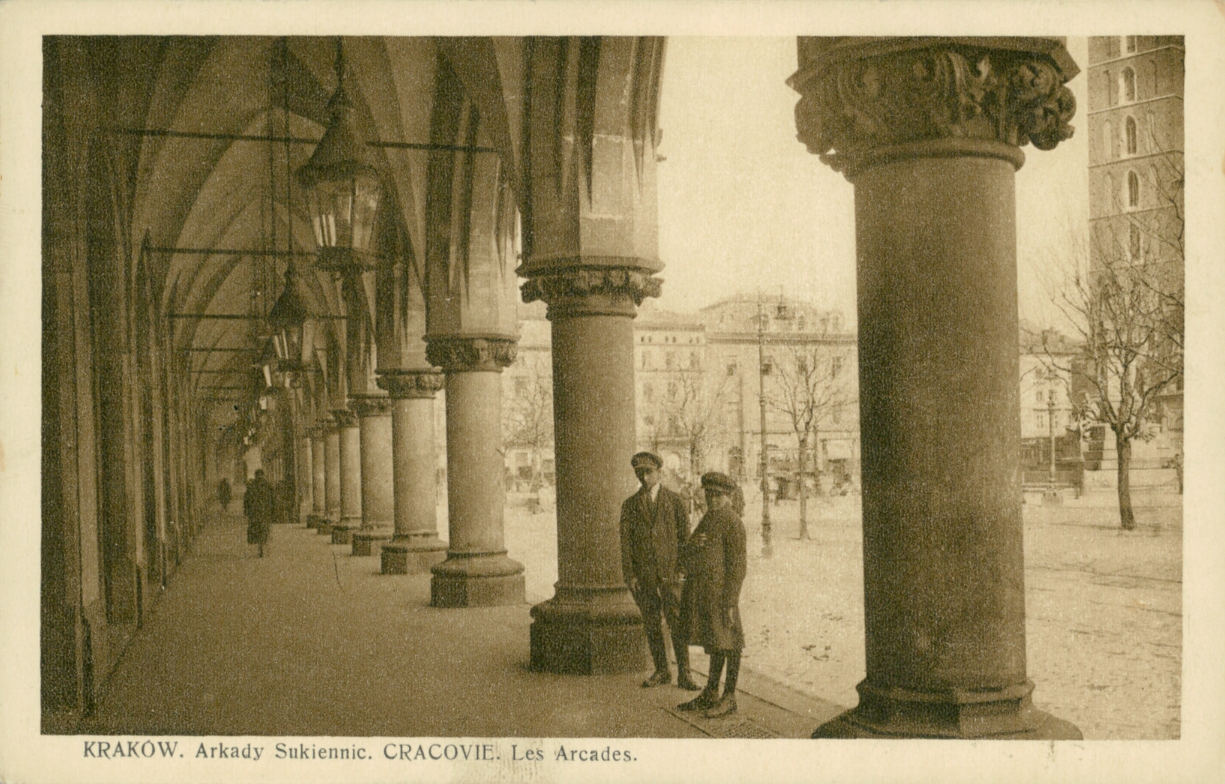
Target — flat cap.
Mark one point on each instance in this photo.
(717, 481)
(646, 458)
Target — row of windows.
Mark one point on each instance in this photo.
(667, 339)
(671, 361)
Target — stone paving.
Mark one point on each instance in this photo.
(313, 641)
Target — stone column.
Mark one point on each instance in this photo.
(304, 477)
(374, 422)
(318, 436)
(350, 476)
(415, 546)
(591, 625)
(929, 131)
(331, 482)
(477, 571)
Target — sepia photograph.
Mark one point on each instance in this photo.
(495, 392)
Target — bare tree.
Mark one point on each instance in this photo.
(808, 387)
(527, 416)
(1124, 297)
(689, 413)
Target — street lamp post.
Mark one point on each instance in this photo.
(766, 550)
(1052, 494)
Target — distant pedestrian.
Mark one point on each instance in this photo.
(714, 561)
(258, 506)
(224, 494)
(654, 525)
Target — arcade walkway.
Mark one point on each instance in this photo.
(312, 641)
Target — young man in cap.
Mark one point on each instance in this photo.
(714, 561)
(654, 525)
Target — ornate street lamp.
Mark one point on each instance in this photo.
(342, 188)
(292, 327)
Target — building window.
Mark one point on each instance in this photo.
(731, 369)
(1038, 396)
(1131, 136)
(1133, 241)
(1129, 85)
(1133, 189)
(644, 360)
(1111, 93)
(693, 361)
(837, 415)
(672, 391)
(766, 367)
(1040, 418)
(670, 360)
(648, 393)
(1129, 44)
(835, 366)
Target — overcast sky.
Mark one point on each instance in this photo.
(743, 205)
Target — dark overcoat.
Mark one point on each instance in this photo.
(651, 537)
(714, 572)
(257, 504)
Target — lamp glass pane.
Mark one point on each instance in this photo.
(366, 191)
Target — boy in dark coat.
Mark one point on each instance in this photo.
(257, 504)
(714, 561)
(654, 525)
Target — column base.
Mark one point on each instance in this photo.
(413, 555)
(365, 541)
(1004, 714)
(342, 532)
(600, 636)
(485, 580)
(325, 526)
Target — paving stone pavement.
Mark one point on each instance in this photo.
(313, 641)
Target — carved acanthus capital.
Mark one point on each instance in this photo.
(469, 353)
(344, 418)
(592, 290)
(409, 384)
(371, 405)
(866, 101)
(325, 425)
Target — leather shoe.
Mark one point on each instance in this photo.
(658, 679)
(701, 702)
(685, 682)
(724, 707)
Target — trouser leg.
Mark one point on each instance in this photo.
(733, 672)
(716, 672)
(652, 625)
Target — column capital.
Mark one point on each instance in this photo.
(592, 290)
(469, 353)
(325, 425)
(409, 384)
(371, 405)
(866, 101)
(344, 418)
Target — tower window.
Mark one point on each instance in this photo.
(1129, 85)
(1133, 241)
(1133, 190)
(1129, 43)
(1131, 136)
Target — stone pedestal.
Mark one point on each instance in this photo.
(318, 478)
(591, 625)
(350, 477)
(415, 546)
(374, 423)
(928, 130)
(477, 571)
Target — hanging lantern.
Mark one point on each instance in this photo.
(292, 328)
(342, 188)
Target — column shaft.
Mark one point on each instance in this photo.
(350, 477)
(331, 479)
(944, 593)
(477, 570)
(591, 625)
(374, 424)
(304, 477)
(318, 477)
(415, 546)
